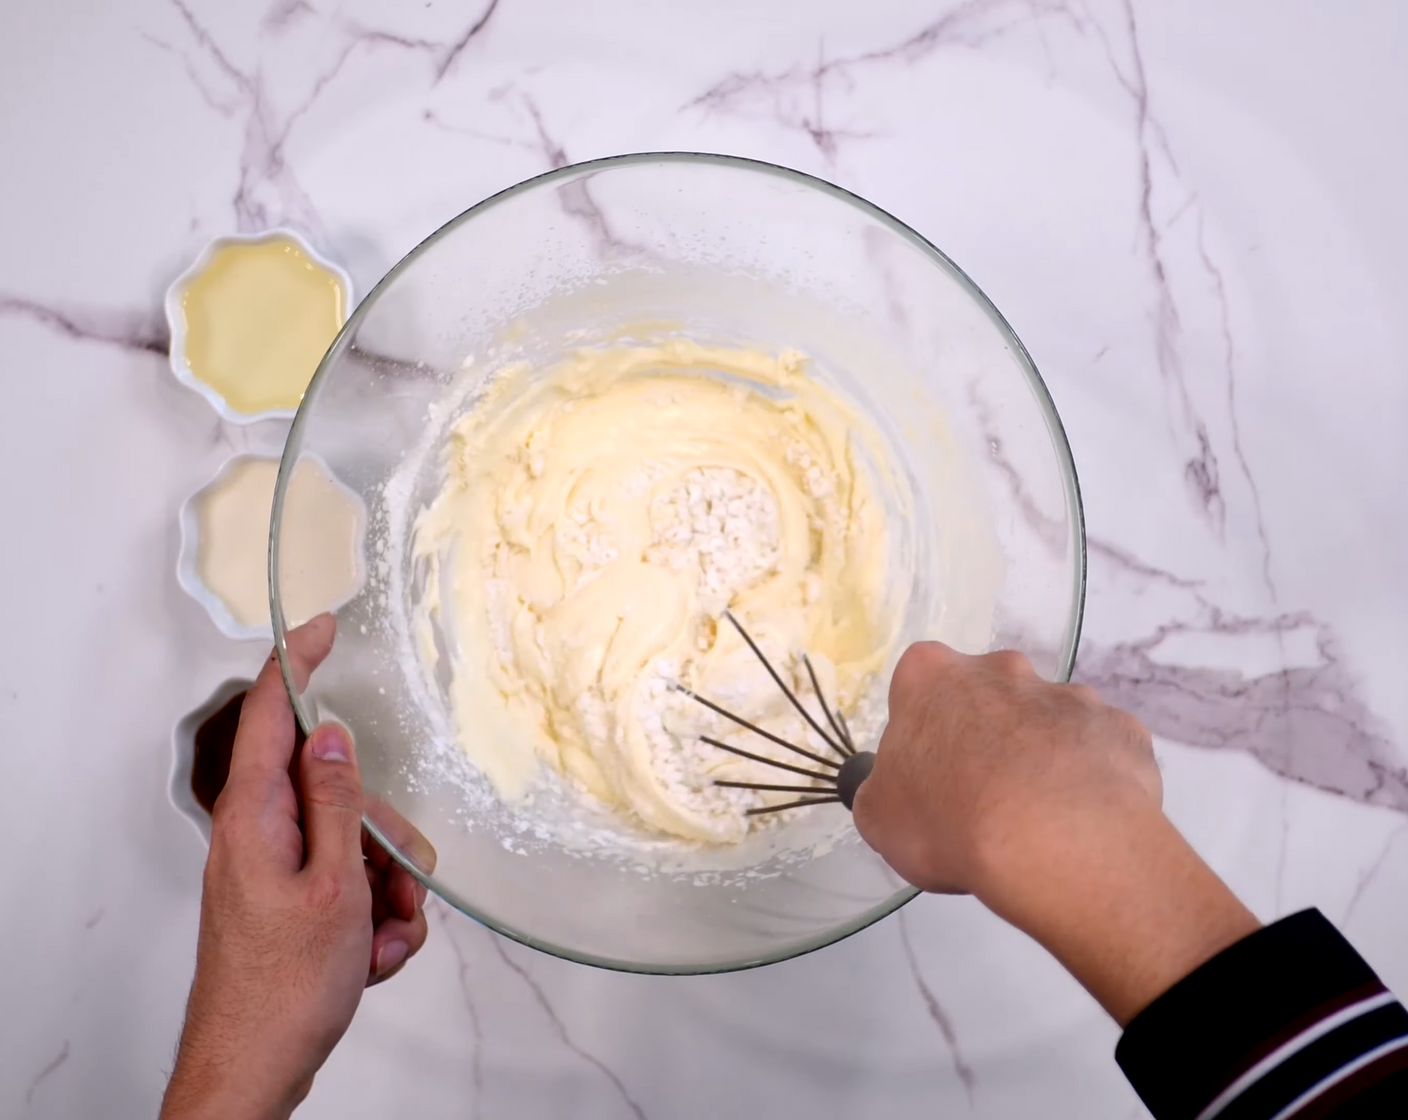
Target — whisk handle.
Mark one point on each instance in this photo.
(853, 771)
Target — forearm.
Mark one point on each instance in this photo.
(1123, 902)
(1044, 803)
(214, 1081)
(192, 1098)
(197, 1102)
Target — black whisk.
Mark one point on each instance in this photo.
(841, 779)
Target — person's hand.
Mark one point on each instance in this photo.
(984, 764)
(300, 909)
(1045, 803)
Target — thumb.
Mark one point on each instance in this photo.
(330, 789)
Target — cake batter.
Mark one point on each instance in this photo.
(594, 523)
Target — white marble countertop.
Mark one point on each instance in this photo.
(1190, 210)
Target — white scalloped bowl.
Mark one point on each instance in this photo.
(183, 753)
(187, 566)
(176, 319)
(188, 573)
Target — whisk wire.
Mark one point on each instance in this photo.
(845, 730)
(770, 788)
(846, 748)
(806, 715)
(793, 805)
(767, 761)
(753, 727)
(838, 786)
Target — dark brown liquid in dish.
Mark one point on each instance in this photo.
(214, 743)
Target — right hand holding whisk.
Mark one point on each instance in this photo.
(1045, 803)
(984, 765)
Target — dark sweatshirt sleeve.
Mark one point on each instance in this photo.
(1287, 1024)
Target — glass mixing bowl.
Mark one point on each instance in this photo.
(729, 251)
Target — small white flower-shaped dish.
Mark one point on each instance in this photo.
(176, 317)
(188, 561)
(183, 754)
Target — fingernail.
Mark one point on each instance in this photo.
(330, 743)
(391, 955)
(420, 894)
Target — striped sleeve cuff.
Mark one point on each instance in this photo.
(1286, 1023)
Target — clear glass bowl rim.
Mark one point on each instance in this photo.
(307, 719)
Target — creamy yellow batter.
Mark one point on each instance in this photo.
(594, 523)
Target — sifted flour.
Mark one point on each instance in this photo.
(719, 524)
